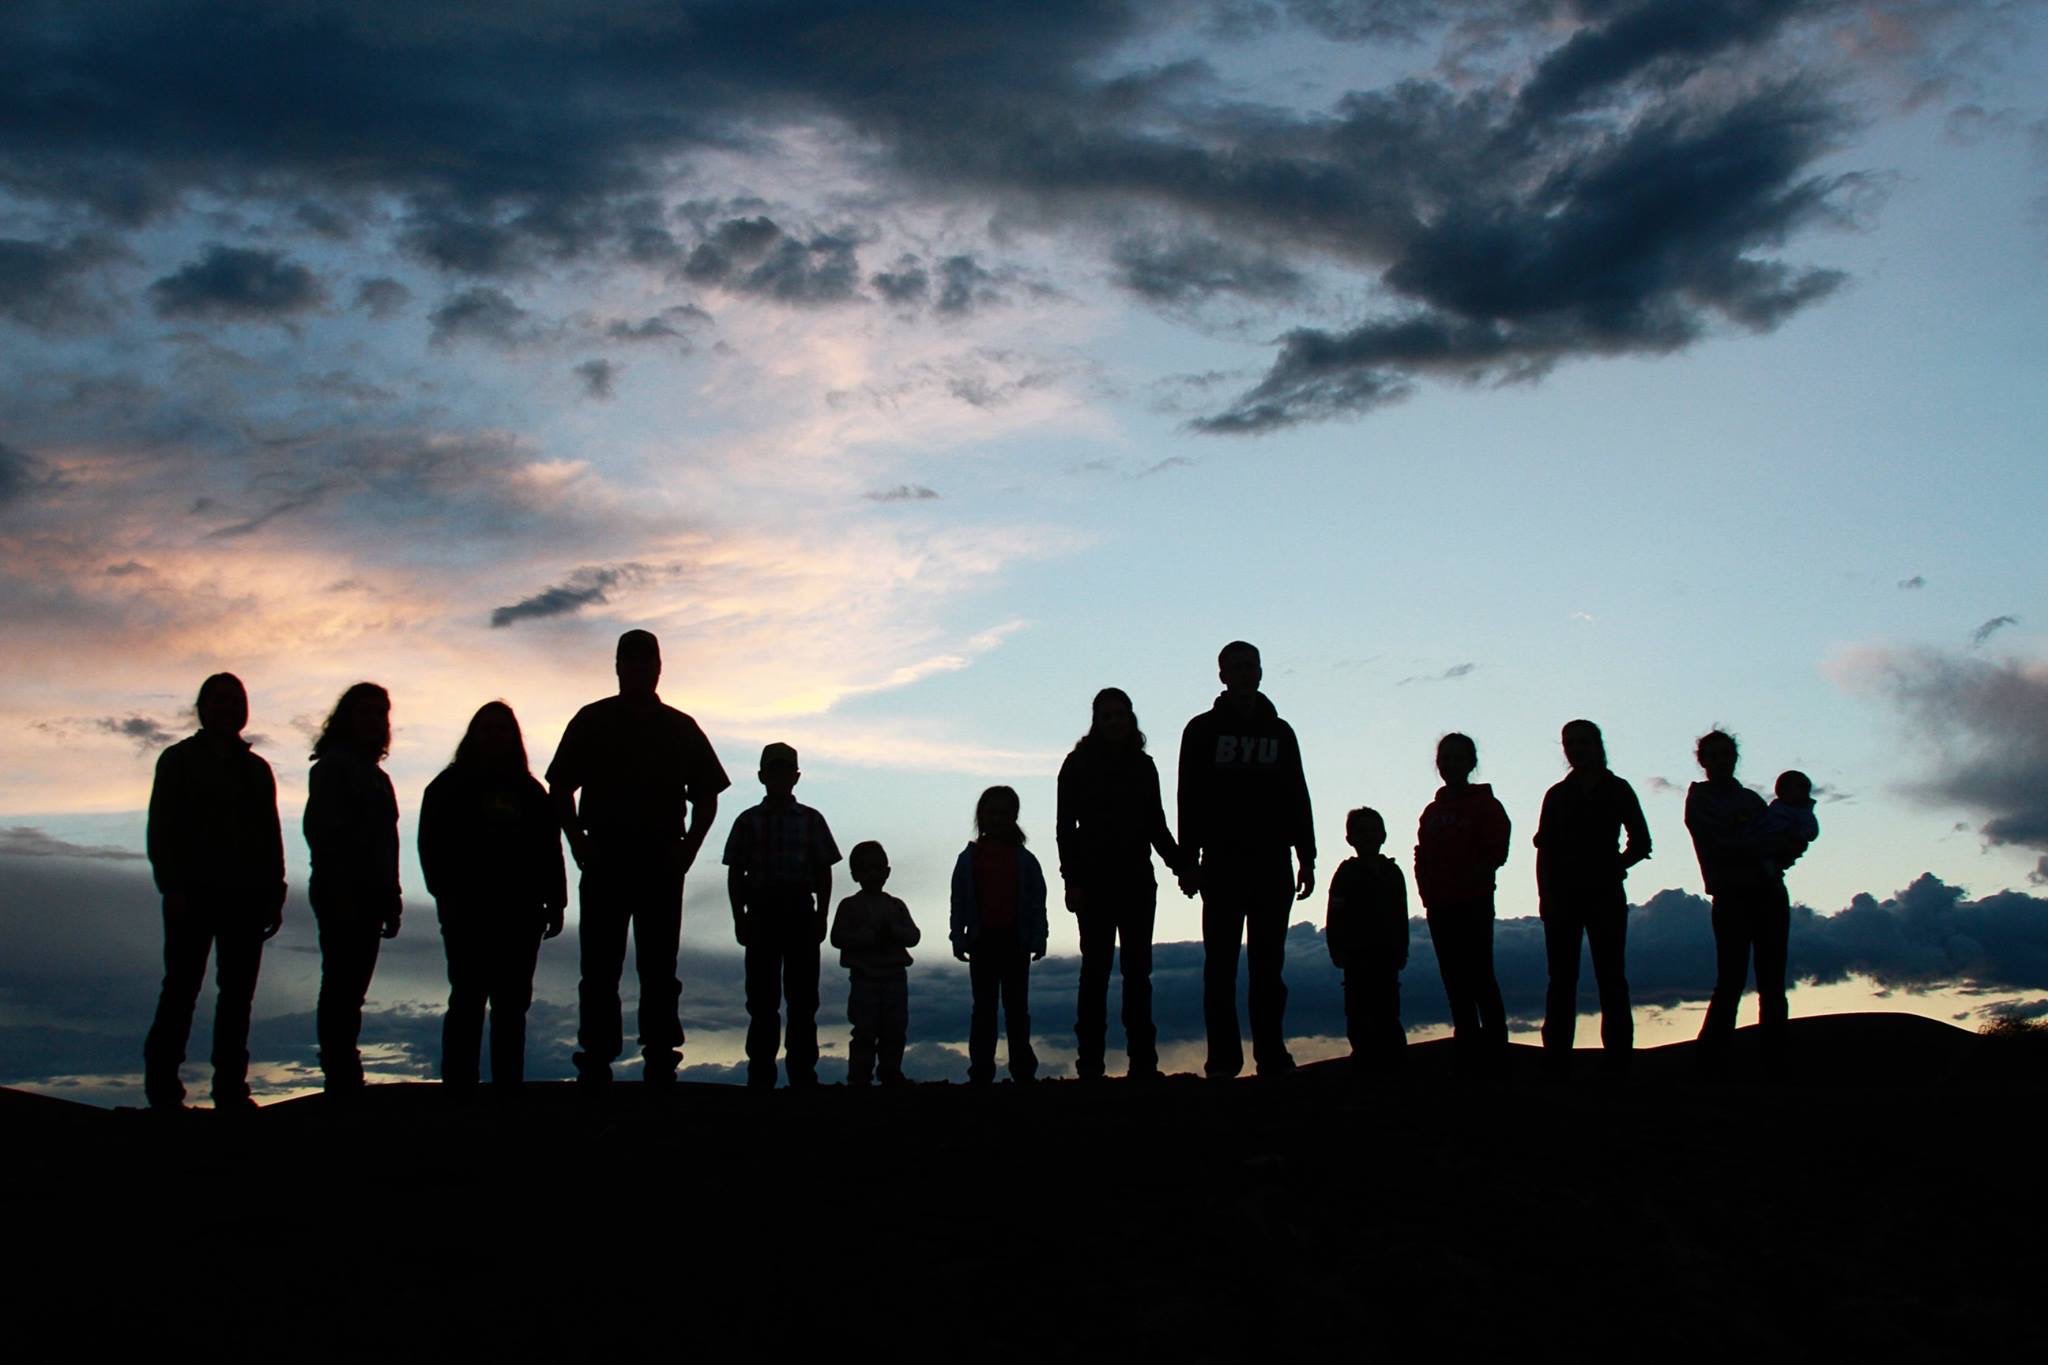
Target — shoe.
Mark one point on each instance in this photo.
(234, 1104)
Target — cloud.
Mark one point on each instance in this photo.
(908, 282)
(1451, 674)
(1167, 466)
(599, 378)
(27, 841)
(585, 588)
(237, 284)
(1665, 39)
(148, 734)
(667, 325)
(1912, 584)
(482, 314)
(382, 297)
(41, 284)
(1190, 269)
(902, 492)
(755, 256)
(1984, 724)
(1991, 628)
(20, 474)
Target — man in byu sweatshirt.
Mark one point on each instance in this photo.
(1243, 806)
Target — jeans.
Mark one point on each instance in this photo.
(638, 884)
(878, 1007)
(998, 965)
(1245, 904)
(782, 963)
(1462, 933)
(1111, 910)
(231, 929)
(1601, 919)
(350, 937)
(491, 955)
(1762, 921)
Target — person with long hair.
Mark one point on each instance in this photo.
(1110, 819)
(1460, 843)
(351, 829)
(218, 859)
(491, 852)
(1750, 909)
(999, 930)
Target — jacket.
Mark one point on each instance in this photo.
(351, 830)
(1110, 818)
(874, 934)
(213, 826)
(1725, 820)
(1460, 843)
(490, 840)
(1241, 785)
(966, 917)
(1577, 834)
(1366, 924)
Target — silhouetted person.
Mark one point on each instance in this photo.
(1110, 819)
(874, 934)
(779, 858)
(492, 855)
(1726, 821)
(1243, 805)
(352, 830)
(1459, 846)
(1789, 825)
(1366, 930)
(1579, 876)
(218, 859)
(999, 930)
(650, 785)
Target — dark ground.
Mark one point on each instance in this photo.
(1883, 1198)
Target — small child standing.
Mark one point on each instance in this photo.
(999, 929)
(1366, 931)
(874, 934)
(778, 862)
(1789, 824)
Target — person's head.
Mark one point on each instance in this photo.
(779, 771)
(1113, 723)
(1583, 747)
(492, 743)
(223, 705)
(1795, 786)
(638, 662)
(869, 864)
(1364, 830)
(995, 815)
(1456, 758)
(360, 723)
(1716, 754)
(1237, 667)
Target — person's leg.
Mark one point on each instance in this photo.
(516, 951)
(1447, 939)
(1562, 932)
(1016, 985)
(349, 942)
(800, 989)
(1607, 933)
(892, 1026)
(1091, 1005)
(238, 957)
(863, 1013)
(1493, 1011)
(764, 999)
(601, 956)
(1266, 946)
(463, 939)
(984, 978)
(187, 942)
(1733, 927)
(1773, 941)
(1223, 916)
(1390, 1037)
(1134, 927)
(657, 935)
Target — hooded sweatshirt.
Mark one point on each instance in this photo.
(1460, 843)
(1242, 791)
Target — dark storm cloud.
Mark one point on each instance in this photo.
(147, 733)
(587, 587)
(1191, 269)
(20, 473)
(237, 284)
(598, 377)
(964, 286)
(1505, 237)
(41, 284)
(27, 841)
(1986, 726)
(482, 314)
(1991, 628)
(382, 297)
(667, 325)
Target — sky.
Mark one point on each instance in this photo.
(915, 370)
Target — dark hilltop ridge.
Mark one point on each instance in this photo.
(1881, 1195)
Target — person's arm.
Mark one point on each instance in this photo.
(166, 837)
(435, 856)
(703, 810)
(738, 858)
(1400, 885)
(1499, 835)
(1304, 821)
(1160, 835)
(906, 928)
(962, 905)
(823, 892)
(843, 935)
(1188, 810)
(391, 893)
(1334, 911)
(1031, 903)
(272, 833)
(824, 853)
(1637, 849)
(1066, 821)
(564, 777)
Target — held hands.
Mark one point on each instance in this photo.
(1190, 880)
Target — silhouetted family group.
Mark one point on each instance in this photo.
(634, 786)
